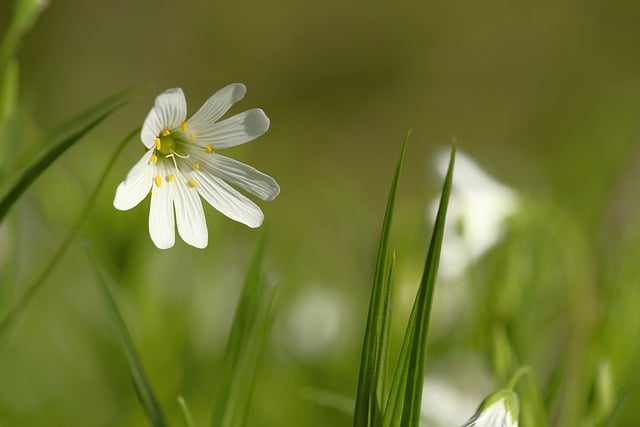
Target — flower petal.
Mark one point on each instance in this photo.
(235, 130)
(192, 226)
(227, 200)
(136, 185)
(161, 220)
(168, 112)
(218, 104)
(243, 175)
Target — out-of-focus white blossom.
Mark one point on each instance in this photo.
(478, 208)
(501, 409)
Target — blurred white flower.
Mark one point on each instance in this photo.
(478, 208)
(501, 409)
(317, 323)
(182, 164)
(453, 389)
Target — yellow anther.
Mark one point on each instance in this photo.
(170, 177)
(196, 165)
(166, 132)
(208, 149)
(192, 183)
(158, 143)
(153, 158)
(191, 137)
(183, 127)
(158, 180)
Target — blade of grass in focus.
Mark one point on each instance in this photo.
(64, 138)
(19, 306)
(375, 348)
(143, 389)
(250, 327)
(405, 398)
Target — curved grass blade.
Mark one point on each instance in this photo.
(186, 413)
(145, 394)
(64, 138)
(403, 408)
(375, 348)
(8, 318)
(251, 324)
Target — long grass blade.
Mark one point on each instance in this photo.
(251, 325)
(186, 413)
(375, 348)
(145, 394)
(31, 291)
(63, 139)
(403, 409)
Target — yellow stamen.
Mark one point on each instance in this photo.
(183, 126)
(170, 177)
(158, 180)
(158, 143)
(192, 183)
(166, 132)
(208, 149)
(191, 137)
(153, 158)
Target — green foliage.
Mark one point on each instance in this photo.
(64, 138)
(186, 413)
(402, 407)
(370, 398)
(251, 325)
(145, 393)
(32, 289)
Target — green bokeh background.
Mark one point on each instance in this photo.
(544, 95)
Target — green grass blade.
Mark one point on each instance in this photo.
(146, 396)
(375, 348)
(405, 398)
(31, 291)
(186, 413)
(251, 325)
(66, 137)
(24, 15)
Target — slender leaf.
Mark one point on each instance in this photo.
(63, 139)
(405, 398)
(186, 413)
(375, 349)
(146, 396)
(251, 324)
(8, 95)
(31, 291)
(23, 17)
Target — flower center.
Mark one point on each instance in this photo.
(167, 145)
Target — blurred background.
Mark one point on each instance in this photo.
(544, 99)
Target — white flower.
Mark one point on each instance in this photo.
(182, 164)
(478, 208)
(501, 409)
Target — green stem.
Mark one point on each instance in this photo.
(519, 373)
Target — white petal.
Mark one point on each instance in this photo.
(227, 200)
(189, 214)
(218, 104)
(168, 112)
(136, 185)
(161, 220)
(235, 130)
(244, 176)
